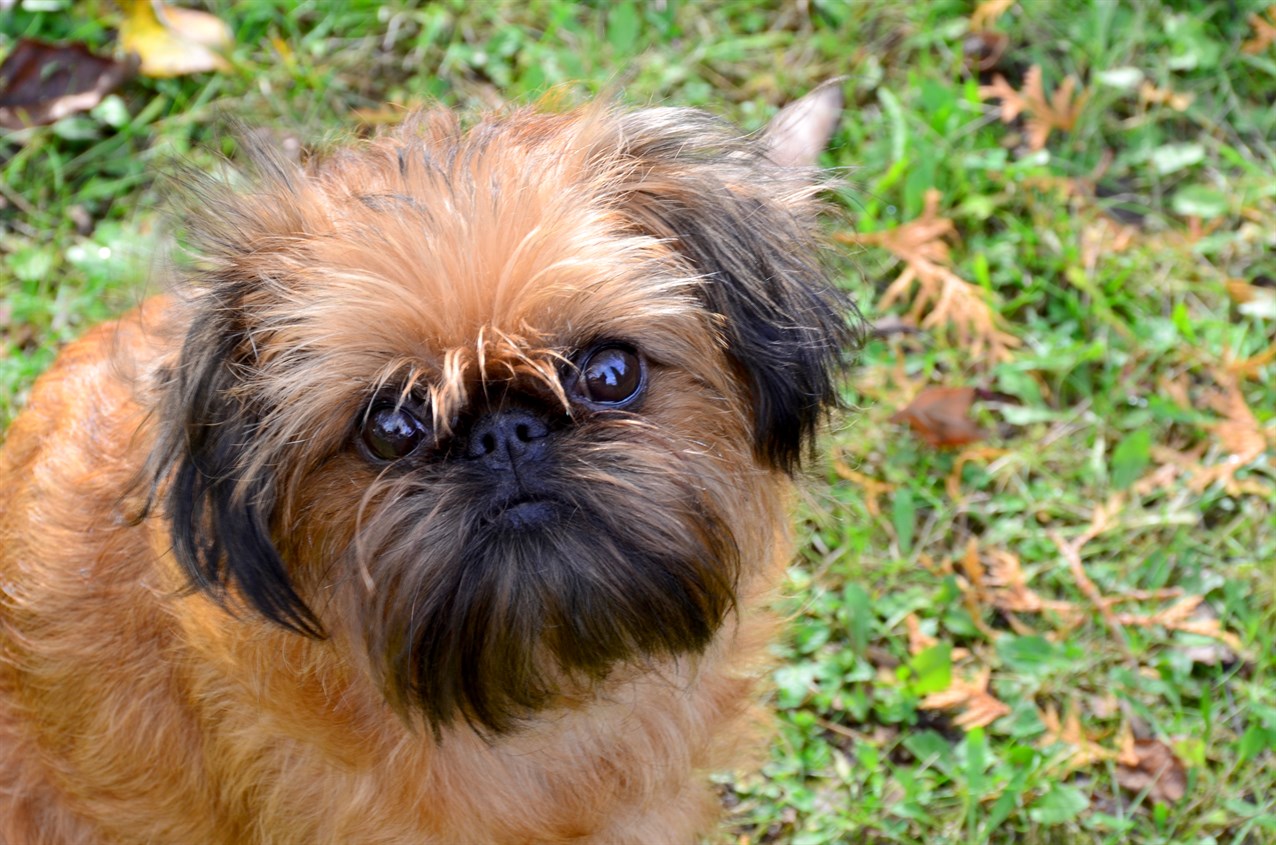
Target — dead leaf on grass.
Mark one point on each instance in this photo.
(1042, 115)
(987, 12)
(1190, 616)
(941, 416)
(1009, 592)
(1082, 751)
(1246, 368)
(918, 640)
(1264, 32)
(172, 41)
(1239, 433)
(1149, 95)
(41, 83)
(1253, 300)
(979, 708)
(1104, 237)
(942, 296)
(1151, 766)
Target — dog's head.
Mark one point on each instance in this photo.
(508, 405)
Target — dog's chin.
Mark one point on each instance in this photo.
(493, 612)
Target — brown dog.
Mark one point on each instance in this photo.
(439, 504)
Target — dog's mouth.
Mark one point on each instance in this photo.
(524, 513)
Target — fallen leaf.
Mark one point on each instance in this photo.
(1264, 32)
(979, 708)
(1242, 291)
(41, 83)
(1008, 589)
(1239, 433)
(1154, 769)
(944, 297)
(1190, 616)
(1082, 751)
(918, 640)
(1149, 94)
(987, 12)
(1041, 115)
(1248, 367)
(172, 41)
(941, 416)
(1103, 238)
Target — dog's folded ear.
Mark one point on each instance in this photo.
(743, 213)
(219, 505)
(207, 470)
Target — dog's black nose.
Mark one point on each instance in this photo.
(507, 438)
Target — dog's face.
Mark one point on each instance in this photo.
(507, 407)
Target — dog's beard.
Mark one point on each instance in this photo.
(487, 606)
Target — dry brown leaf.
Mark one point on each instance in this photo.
(1176, 389)
(1042, 115)
(1009, 590)
(1149, 94)
(1246, 368)
(1188, 616)
(1104, 237)
(979, 708)
(1161, 478)
(1071, 552)
(987, 12)
(1239, 434)
(173, 41)
(1264, 32)
(1003, 586)
(972, 568)
(918, 640)
(942, 296)
(941, 416)
(1083, 752)
(1242, 291)
(41, 83)
(1156, 769)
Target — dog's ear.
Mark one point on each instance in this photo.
(210, 471)
(743, 213)
(800, 131)
(218, 505)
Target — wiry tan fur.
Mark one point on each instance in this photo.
(437, 262)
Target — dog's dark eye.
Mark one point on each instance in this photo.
(391, 433)
(611, 376)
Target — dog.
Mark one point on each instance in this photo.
(439, 501)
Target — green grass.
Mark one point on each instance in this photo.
(1107, 337)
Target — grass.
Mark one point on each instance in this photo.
(1132, 257)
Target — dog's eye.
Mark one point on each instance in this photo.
(611, 376)
(391, 433)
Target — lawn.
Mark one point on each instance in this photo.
(1035, 598)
